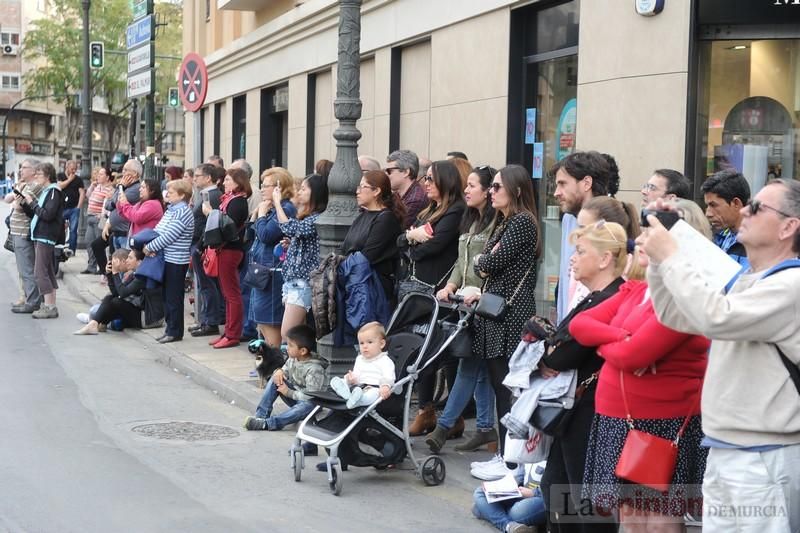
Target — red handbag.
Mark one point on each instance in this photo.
(647, 459)
(211, 262)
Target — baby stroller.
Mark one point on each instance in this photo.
(419, 331)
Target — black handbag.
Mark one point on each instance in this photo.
(258, 276)
(9, 244)
(553, 417)
(461, 345)
(495, 307)
(412, 284)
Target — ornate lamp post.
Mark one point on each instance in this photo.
(346, 173)
(86, 101)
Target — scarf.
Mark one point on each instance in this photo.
(226, 199)
(41, 201)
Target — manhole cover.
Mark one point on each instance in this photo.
(188, 431)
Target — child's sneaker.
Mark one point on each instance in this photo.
(252, 423)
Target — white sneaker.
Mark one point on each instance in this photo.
(83, 318)
(480, 464)
(492, 472)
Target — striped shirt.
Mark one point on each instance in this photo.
(174, 234)
(98, 198)
(20, 222)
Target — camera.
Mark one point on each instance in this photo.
(667, 218)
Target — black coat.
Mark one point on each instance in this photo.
(374, 234)
(214, 197)
(50, 224)
(434, 259)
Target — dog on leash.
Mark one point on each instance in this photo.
(268, 360)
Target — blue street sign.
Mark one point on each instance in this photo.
(139, 32)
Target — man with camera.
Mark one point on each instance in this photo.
(751, 393)
(20, 231)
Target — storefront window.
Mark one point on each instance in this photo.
(544, 92)
(748, 104)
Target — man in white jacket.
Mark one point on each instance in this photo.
(750, 403)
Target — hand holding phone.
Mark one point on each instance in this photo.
(667, 218)
(18, 193)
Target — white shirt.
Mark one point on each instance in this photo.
(376, 371)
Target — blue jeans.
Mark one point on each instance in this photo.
(211, 308)
(72, 215)
(297, 411)
(249, 327)
(528, 511)
(472, 378)
(120, 243)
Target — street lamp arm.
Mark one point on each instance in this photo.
(11, 111)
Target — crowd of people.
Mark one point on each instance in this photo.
(648, 341)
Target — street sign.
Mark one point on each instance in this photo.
(140, 58)
(140, 8)
(193, 82)
(139, 32)
(140, 84)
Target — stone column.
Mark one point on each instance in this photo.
(345, 175)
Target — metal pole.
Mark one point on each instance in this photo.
(342, 209)
(150, 136)
(132, 128)
(86, 100)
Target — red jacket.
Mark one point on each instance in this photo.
(629, 337)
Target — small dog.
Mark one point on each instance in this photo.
(268, 360)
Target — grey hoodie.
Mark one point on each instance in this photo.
(307, 375)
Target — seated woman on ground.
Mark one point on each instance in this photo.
(126, 301)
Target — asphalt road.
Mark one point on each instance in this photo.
(72, 457)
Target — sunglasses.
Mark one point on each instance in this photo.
(496, 186)
(756, 206)
(601, 224)
(428, 177)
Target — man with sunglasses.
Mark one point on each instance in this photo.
(725, 193)
(751, 391)
(402, 167)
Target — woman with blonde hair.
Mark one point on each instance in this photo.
(266, 305)
(650, 381)
(601, 256)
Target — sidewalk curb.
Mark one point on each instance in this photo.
(240, 394)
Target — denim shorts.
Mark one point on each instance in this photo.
(297, 292)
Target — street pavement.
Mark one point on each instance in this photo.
(118, 433)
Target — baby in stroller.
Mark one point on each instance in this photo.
(373, 373)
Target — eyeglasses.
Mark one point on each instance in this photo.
(496, 186)
(427, 177)
(389, 170)
(360, 186)
(756, 206)
(649, 187)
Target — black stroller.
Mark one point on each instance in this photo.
(419, 331)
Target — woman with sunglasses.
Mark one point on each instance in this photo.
(472, 378)
(600, 257)
(266, 305)
(430, 247)
(374, 231)
(508, 267)
(655, 375)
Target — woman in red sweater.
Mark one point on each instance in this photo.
(663, 372)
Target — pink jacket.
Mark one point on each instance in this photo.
(144, 215)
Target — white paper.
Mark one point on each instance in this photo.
(714, 265)
(504, 488)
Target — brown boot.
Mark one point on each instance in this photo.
(424, 423)
(457, 430)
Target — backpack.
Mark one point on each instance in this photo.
(220, 229)
(794, 370)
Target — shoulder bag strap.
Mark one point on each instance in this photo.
(629, 418)
(794, 371)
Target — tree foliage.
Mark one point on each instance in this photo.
(54, 45)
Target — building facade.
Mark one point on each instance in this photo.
(702, 85)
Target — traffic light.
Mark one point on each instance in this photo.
(96, 54)
(173, 101)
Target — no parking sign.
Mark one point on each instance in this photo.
(193, 82)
